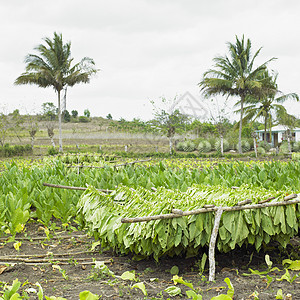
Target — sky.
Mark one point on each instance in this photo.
(146, 50)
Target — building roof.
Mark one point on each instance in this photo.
(278, 128)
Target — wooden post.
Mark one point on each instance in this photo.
(212, 244)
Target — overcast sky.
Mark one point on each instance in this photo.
(145, 49)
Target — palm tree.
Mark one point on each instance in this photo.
(236, 76)
(53, 68)
(268, 106)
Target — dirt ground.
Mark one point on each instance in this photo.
(64, 266)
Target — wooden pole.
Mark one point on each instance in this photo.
(120, 165)
(209, 209)
(212, 244)
(78, 188)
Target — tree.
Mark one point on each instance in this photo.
(87, 113)
(169, 120)
(109, 117)
(236, 76)
(74, 114)
(53, 68)
(67, 116)
(289, 122)
(49, 110)
(219, 117)
(16, 120)
(268, 106)
(50, 131)
(32, 128)
(4, 126)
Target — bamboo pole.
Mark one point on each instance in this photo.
(73, 187)
(209, 209)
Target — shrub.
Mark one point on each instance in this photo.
(189, 146)
(261, 150)
(186, 146)
(296, 146)
(179, 146)
(245, 146)
(204, 146)
(225, 145)
(52, 151)
(264, 145)
(284, 149)
(83, 119)
(212, 140)
(66, 116)
(17, 150)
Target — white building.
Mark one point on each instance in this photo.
(277, 135)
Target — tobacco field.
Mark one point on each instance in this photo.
(117, 190)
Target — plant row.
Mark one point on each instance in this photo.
(16, 150)
(205, 146)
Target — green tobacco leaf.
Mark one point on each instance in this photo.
(256, 272)
(290, 215)
(193, 295)
(174, 270)
(293, 264)
(176, 279)
(55, 298)
(173, 291)
(87, 295)
(40, 292)
(128, 275)
(268, 261)
(262, 176)
(287, 277)
(279, 294)
(221, 297)
(230, 291)
(269, 280)
(141, 286)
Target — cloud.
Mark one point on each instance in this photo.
(145, 49)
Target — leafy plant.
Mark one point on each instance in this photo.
(204, 146)
(230, 292)
(192, 293)
(102, 214)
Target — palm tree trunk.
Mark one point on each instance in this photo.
(255, 146)
(266, 121)
(241, 124)
(59, 124)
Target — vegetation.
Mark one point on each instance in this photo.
(184, 235)
(169, 120)
(22, 187)
(16, 150)
(184, 184)
(268, 105)
(236, 76)
(52, 68)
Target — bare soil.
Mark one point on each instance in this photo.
(38, 259)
